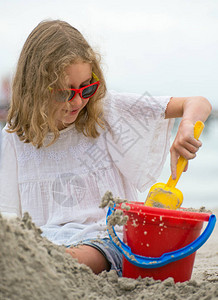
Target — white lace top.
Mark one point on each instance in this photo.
(61, 186)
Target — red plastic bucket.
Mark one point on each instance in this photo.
(152, 232)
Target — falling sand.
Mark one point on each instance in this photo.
(31, 267)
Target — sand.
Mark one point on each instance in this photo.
(31, 267)
(206, 261)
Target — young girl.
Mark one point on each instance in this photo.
(68, 140)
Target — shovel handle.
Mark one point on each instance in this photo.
(198, 128)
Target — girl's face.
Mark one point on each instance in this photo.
(77, 76)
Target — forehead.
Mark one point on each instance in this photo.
(78, 73)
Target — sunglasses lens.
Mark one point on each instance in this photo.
(63, 96)
(72, 94)
(89, 91)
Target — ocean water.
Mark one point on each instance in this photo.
(199, 184)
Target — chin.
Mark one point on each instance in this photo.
(69, 121)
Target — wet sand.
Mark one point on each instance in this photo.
(33, 268)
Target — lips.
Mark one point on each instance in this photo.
(73, 111)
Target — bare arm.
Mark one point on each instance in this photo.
(191, 109)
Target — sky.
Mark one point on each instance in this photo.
(159, 47)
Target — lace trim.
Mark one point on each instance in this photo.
(29, 152)
(56, 155)
(80, 148)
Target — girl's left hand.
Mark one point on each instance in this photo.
(184, 145)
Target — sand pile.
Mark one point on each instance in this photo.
(31, 267)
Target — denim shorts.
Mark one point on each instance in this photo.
(110, 252)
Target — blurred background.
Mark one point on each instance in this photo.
(159, 47)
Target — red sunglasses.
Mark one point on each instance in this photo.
(84, 92)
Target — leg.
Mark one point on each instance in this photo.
(91, 257)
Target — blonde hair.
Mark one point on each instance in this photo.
(48, 50)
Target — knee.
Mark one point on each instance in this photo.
(91, 257)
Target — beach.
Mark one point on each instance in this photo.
(206, 261)
(34, 268)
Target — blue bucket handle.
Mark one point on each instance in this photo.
(166, 258)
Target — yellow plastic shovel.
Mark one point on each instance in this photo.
(166, 195)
